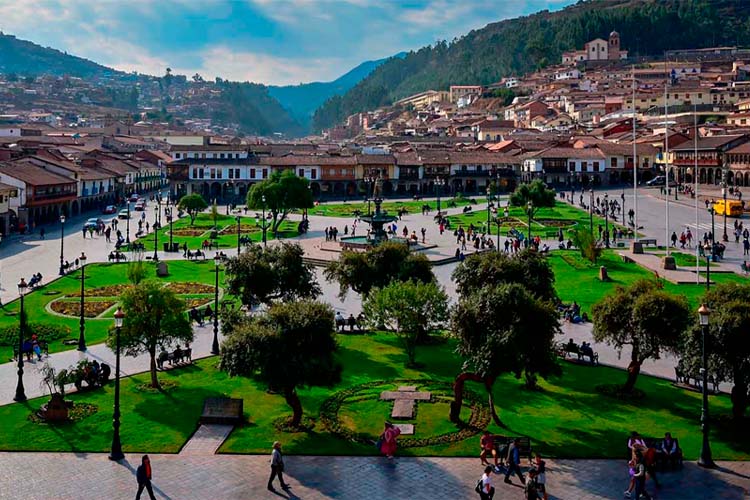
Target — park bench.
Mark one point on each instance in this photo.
(502, 444)
(683, 377)
(29, 351)
(174, 358)
(654, 442)
(564, 349)
(648, 241)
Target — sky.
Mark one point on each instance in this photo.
(268, 41)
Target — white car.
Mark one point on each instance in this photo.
(123, 214)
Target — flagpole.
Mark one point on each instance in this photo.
(666, 156)
(635, 168)
(695, 179)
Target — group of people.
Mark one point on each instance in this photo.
(198, 316)
(643, 461)
(509, 459)
(572, 313)
(685, 238)
(332, 233)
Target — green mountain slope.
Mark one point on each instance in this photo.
(27, 58)
(515, 46)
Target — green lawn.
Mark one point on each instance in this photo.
(546, 223)
(577, 279)
(194, 235)
(568, 418)
(350, 209)
(67, 289)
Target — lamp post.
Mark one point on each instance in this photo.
(705, 459)
(591, 211)
(169, 219)
(369, 181)
(127, 238)
(215, 344)
(706, 248)
(238, 235)
(263, 198)
(20, 393)
(116, 450)
(529, 207)
(712, 211)
(62, 243)
(439, 183)
(82, 322)
(724, 237)
(489, 227)
(606, 220)
(156, 233)
(622, 208)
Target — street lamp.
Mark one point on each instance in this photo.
(264, 226)
(62, 241)
(591, 211)
(238, 235)
(169, 219)
(705, 459)
(606, 220)
(156, 233)
(712, 211)
(20, 393)
(127, 239)
(215, 344)
(724, 237)
(706, 249)
(529, 207)
(439, 183)
(489, 227)
(116, 451)
(622, 208)
(369, 181)
(82, 334)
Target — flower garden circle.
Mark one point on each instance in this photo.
(432, 428)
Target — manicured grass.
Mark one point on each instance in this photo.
(577, 279)
(97, 275)
(349, 209)
(545, 221)
(567, 418)
(194, 235)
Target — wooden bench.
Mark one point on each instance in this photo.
(28, 349)
(175, 358)
(655, 443)
(563, 349)
(502, 445)
(648, 241)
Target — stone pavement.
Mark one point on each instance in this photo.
(206, 440)
(56, 476)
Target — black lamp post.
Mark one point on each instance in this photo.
(622, 208)
(725, 236)
(20, 393)
(591, 211)
(238, 235)
(529, 207)
(169, 219)
(215, 344)
(705, 459)
(82, 322)
(116, 451)
(712, 211)
(62, 243)
(439, 183)
(489, 227)
(127, 238)
(264, 226)
(707, 251)
(156, 233)
(606, 220)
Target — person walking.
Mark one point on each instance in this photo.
(143, 475)
(41, 232)
(277, 467)
(484, 485)
(640, 478)
(746, 246)
(514, 463)
(388, 440)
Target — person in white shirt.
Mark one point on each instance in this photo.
(487, 491)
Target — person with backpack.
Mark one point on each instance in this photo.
(514, 463)
(484, 485)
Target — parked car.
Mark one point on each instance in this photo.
(659, 181)
(123, 214)
(140, 206)
(93, 222)
(133, 197)
(110, 209)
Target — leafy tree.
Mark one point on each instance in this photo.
(490, 268)
(377, 267)
(193, 204)
(136, 270)
(503, 329)
(410, 308)
(587, 244)
(283, 192)
(644, 317)
(727, 342)
(535, 192)
(266, 275)
(154, 317)
(290, 346)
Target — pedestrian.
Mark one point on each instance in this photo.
(514, 463)
(84, 233)
(484, 485)
(541, 475)
(143, 475)
(424, 235)
(146, 226)
(674, 239)
(640, 478)
(388, 443)
(746, 246)
(277, 467)
(41, 233)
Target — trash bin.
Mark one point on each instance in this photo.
(175, 247)
(166, 247)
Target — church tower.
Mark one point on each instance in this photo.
(614, 46)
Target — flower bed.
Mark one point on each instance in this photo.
(198, 302)
(103, 291)
(556, 222)
(91, 309)
(244, 228)
(190, 287)
(190, 232)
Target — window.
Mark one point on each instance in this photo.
(301, 172)
(177, 155)
(221, 155)
(252, 173)
(219, 173)
(596, 165)
(203, 155)
(213, 155)
(200, 173)
(613, 162)
(195, 173)
(231, 173)
(236, 173)
(571, 166)
(265, 173)
(314, 173)
(213, 173)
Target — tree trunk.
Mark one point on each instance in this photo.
(154, 379)
(739, 401)
(458, 395)
(291, 398)
(634, 368)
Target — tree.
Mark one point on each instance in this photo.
(290, 346)
(536, 192)
(586, 242)
(193, 204)
(377, 267)
(136, 271)
(503, 329)
(283, 192)
(490, 268)
(644, 317)
(410, 308)
(154, 317)
(726, 342)
(266, 275)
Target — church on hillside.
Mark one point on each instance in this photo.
(597, 49)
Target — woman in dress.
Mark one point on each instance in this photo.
(388, 437)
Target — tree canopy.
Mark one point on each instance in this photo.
(377, 267)
(644, 317)
(193, 204)
(154, 317)
(290, 346)
(535, 192)
(283, 192)
(266, 275)
(410, 308)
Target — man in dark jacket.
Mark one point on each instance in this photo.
(143, 475)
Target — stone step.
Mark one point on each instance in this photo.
(403, 409)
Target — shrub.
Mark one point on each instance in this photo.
(44, 331)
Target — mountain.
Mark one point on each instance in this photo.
(27, 58)
(302, 100)
(516, 46)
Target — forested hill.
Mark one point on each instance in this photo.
(520, 45)
(29, 59)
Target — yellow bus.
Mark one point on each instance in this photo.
(733, 208)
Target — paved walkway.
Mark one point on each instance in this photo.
(57, 476)
(206, 440)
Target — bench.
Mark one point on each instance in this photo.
(175, 358)
(29, 351)
(648, 241)
(502, 444)
(661, 459)
(563, 349)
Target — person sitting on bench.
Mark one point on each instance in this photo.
(586, 350)
(669, 450)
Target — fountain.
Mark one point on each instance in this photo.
(376, 220)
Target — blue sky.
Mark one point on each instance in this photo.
(267, 41)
